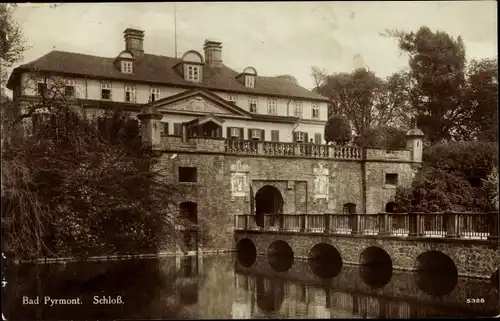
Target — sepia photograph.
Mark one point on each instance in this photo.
(249, 160)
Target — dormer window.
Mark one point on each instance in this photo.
(250, 81)
(193, 73)
(127, 67)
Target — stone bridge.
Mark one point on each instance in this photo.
(411, 251)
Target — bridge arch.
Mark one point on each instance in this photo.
(437, 274)
(247, 252)
(280, 256)
(325, 260)
(270, 294)
(376, 267)
(268, 200)
(495, 279)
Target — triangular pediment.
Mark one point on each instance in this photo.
(199, 102)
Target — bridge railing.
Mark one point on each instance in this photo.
(433, 225)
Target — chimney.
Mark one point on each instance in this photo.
(134, 40)
(213, 53)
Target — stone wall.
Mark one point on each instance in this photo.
(294, 177)
(472, 258)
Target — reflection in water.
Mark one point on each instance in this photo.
(270, 294)
(437, 283)
(375, 276)
(220, 287)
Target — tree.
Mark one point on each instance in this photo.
(480, 99)
(290, 78)
(338, 130)
(365, 99)
(384, 137)
(437, 70)
(452, 179)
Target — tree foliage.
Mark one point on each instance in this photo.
(365, 99)
(452, 179)
(290, 78)
(384, 137)
(338, 130)
(87, 186)
(438, 71)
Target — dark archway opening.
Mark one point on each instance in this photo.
(280, 256)
(437, 274)
(349, 208)
(268, 201)
(270, 294)
(376, 267)
(390, 207)
(247, 252)
(325, 261)
(495, 281)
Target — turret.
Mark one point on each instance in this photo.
(415, 142)
(150, 126)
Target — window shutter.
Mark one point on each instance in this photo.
(317, 139)
(165, 128)
(177, 129)
(306, 138)
(241, 133)
(277, 135)
(294, 137)
(228, 130)
(250, 134)
(263, 134)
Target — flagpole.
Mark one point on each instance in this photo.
(175, 28)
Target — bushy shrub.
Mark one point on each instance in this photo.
(338, 130)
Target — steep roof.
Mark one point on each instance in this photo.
(160, 69)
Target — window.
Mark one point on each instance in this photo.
(155, 94)
(255, 133)
(69, 89)
(272, 106)
(349, 208)
(315, 111)
(130, 93)
(235, 132)
(127, 67)
(317, 138)
(106, 90)
(391, 179)
(250, 81)
(41, 88)
(233, 98)
(188, 174)
(275, 135)
(164, 129)
(299, 136)
(193, 73)
(297, 109)
(177, 129)
(253, 105)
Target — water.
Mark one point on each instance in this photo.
(231, 286)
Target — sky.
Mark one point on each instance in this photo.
(274, 37)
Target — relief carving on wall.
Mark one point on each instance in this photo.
(321, 182)
(240, 185)
(197, 104)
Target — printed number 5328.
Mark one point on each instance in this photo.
(475, 300)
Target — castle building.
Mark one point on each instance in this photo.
(234, 142)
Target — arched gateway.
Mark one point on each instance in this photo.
(268, 201)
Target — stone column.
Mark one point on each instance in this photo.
(383, 220)
(451, 224)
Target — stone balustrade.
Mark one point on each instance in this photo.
(478, 226)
